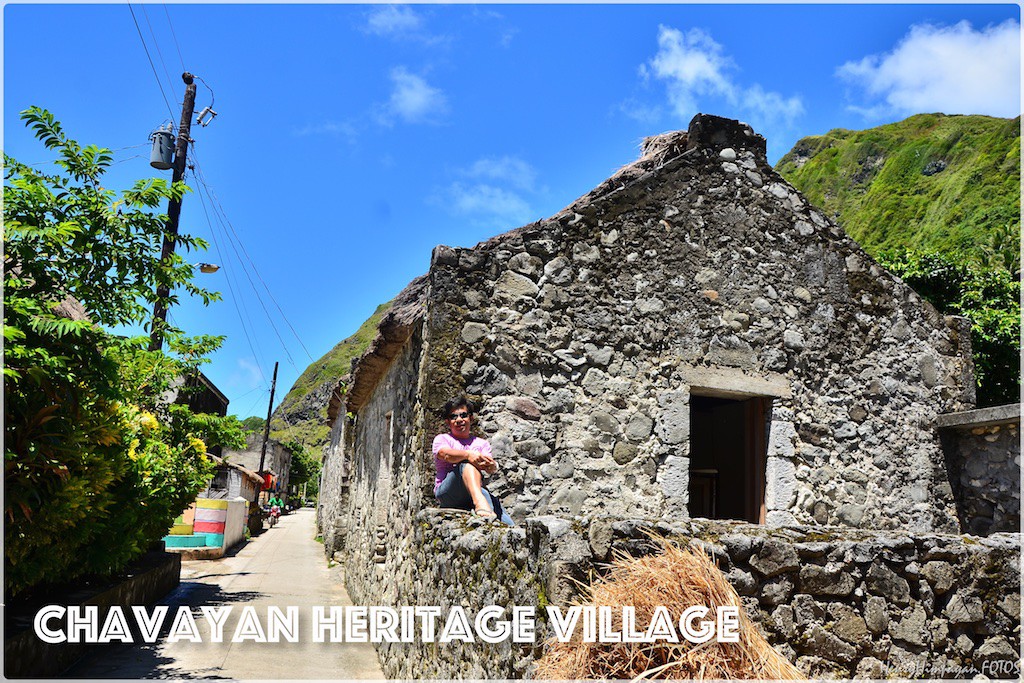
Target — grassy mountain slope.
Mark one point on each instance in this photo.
(949, 183)
(302, 414)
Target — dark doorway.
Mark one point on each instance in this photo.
(727, 456)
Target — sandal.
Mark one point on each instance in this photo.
(484, 514)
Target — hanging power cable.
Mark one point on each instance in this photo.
(234, 297)
(235, 244)
(175, 37)
(159, 54)
(207, 115)
(255, 270)
(153, 66)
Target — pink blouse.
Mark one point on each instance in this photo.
(473, 443)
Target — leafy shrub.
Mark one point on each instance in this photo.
(97, 463)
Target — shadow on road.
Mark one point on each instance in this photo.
(143, 660)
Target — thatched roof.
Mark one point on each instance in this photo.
(247, 473)
(71, 308)
(394, 330)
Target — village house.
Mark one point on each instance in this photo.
(691, 340)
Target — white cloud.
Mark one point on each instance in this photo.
(487, 201)
(414, 100)
(772, 107)
(246, 376)
(509, 169)
(393, 20)
(495, 190)
(402, 23)
(640, 112)
(333, 128)
(697, 71)
(949, 69)
(694, 65)
(507, 36)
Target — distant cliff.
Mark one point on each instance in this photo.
(302, 414)
(946, 183)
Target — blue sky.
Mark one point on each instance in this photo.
(352, 139)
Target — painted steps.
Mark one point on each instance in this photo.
(190, 541)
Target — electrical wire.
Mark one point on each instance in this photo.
(119, 149)
(234, 297)
(153, 66)
(222, 218)
(256, 401)
(137, 156)
(175, 37)
(255, 270)
(267, 288)
(159, 53)
(199, 78)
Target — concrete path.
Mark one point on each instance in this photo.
(284, 566)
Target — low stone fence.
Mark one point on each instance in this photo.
(25, 656)
(837, 602)
(983, 458)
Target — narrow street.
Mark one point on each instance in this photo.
(282, 567)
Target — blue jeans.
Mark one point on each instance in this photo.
(452, 493)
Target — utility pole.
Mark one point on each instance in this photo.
(266, 427)
(163, 291)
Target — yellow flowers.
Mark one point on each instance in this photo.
(147, 420)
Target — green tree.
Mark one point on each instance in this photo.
(97, 464)
(305, 469)
(253, 424)
(989, 298)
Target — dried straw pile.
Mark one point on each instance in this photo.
(676, 579)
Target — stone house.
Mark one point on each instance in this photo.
(277, 463)
(231, 480)
(693, 349)
(691, 338)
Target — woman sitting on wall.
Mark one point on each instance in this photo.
(462, 460)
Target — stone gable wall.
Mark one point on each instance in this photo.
(696, 271)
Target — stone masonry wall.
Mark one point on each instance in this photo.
(332, 503)
(385, 477)
(839, 603)
(983, 456)
(697, 271)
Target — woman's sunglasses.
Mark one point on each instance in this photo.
(455, 416)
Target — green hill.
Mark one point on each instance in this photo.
(936, 199)
(302, 414)
(933, 182)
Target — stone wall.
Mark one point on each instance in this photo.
(386, 475)
(25, 656)
(592, 338)
(332, 502)
(698, 271)
(278, 459)
(983, 456)
(838, 603)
